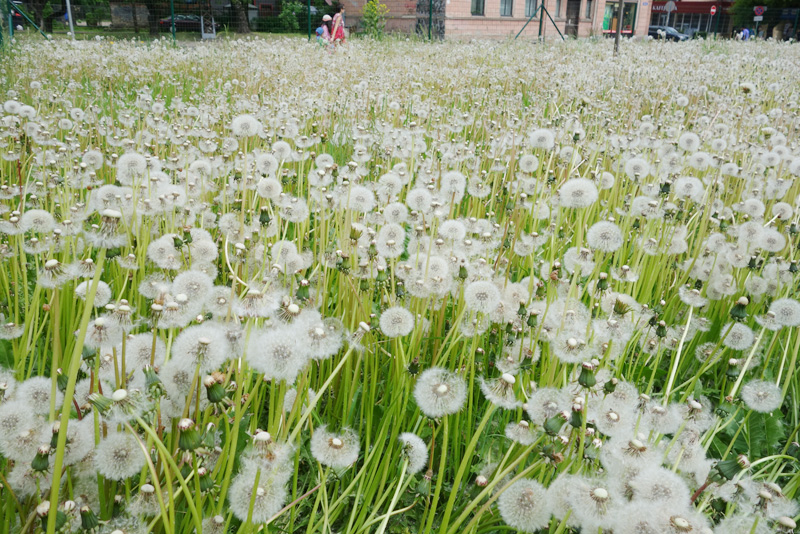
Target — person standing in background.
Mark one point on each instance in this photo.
(337, 34)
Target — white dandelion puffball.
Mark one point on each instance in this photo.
(397, 322)
(119, 456)
(524, 506)
(578, 193)
(335, 450)
(605, 236)
(787, 311)
(414, 450)
(482, 296)
(762, 396)
(440, 392)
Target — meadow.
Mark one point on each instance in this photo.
(462, 287)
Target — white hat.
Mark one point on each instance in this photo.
(326, 18)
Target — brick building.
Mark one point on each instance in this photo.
(466, 19)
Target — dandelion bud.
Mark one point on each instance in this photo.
(553, 425)
(43, 509)
(190, 438)
(610, 386)
(738, 311)
(89, 520)
(587, 379)
(215, 391)
(41, 462)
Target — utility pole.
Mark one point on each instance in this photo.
(69, 16)
(619, 27)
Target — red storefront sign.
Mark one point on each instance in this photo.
(693, 7)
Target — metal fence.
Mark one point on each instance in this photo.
(155, 17)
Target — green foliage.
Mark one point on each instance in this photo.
(95, 11)
(287, 20)
(373, 18)
(742, 12)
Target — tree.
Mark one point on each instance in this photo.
(742, 11)
(240, 18)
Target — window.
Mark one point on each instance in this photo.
(530, 8)
(477, 7)
(558, 9)
(506, 8)
(588, 13)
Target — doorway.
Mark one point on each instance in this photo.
(573, 13)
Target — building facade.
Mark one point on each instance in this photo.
(466, 19)
(690, 17)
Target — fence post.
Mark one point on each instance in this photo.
(541, 21)
(10, 22)
(430, 20)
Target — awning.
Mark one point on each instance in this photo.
(693, 7)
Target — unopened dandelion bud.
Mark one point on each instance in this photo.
(739, 312)
(481, 481)
(661, 329)
(553, 425)
(152, 381)
(610, 386)
(41, 462)
(206, 482)
(190, 438)
(215, 391)
(43, 510)
(587, 379)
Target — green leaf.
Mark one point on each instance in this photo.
(764, 434)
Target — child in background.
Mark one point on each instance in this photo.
(324, 31)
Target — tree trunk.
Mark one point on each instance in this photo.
(152, 17)
(135, 18)
(239, 8)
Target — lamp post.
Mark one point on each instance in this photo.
(619, 27)
(309, 20)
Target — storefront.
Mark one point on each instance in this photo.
(693, 17)
(611, 18)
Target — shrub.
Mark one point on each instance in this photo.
(287, 20)
(373, 18)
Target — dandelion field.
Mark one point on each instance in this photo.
(403, 288)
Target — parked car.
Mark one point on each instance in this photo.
(18, 20)
(669, 33)
(183, 23)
